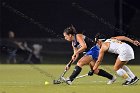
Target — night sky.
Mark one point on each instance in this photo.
(48, 18)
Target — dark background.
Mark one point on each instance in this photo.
(44, 20)
(56, 15)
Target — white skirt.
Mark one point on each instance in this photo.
(126, 52)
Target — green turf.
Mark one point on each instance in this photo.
(31, 78)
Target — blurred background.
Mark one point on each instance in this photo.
(38, 25)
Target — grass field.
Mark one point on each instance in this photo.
(31, 78)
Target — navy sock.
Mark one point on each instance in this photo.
(75, 73)
(103, 73)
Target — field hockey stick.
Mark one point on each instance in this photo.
(81, 76)
(58, 81)
(69, 64)
(62, 75)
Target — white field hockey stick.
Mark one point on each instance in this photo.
(81, 76)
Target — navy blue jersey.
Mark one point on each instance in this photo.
(89, 42)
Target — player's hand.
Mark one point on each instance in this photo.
(74, 57)
(137, 43)
(90, 73)
(67, 67)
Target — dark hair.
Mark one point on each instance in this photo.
(70, 30)
(99, 36)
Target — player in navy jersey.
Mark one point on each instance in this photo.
(80, 44)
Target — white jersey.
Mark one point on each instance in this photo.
(124, 50)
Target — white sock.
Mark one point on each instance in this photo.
(123, 74)
(130, 73)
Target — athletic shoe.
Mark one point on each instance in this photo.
(126, 83)
(112, 80)
(133, 81)
(67, 80)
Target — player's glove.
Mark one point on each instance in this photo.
(90, 73)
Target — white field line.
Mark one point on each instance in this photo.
(41, 82)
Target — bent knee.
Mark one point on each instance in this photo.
(80, 63)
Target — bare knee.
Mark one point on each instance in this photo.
(80, 63)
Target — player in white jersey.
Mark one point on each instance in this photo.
(125, 53)
(124, 50)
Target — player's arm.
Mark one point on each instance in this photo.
(74, 52)
(19, 44)
(100, 57)
(102, 51)
(124, 38)
(27, 48)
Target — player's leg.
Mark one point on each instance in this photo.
(103, 73)
(14, 56)
(118, 68)
(9, 58)
(122, 59)
(83, 61)
(131, 74)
